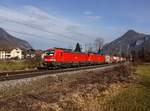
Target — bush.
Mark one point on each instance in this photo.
(6, 65)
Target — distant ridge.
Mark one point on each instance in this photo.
(8, 42)
(127, 43)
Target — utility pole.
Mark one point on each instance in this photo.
(120, 50)
(128, 51)
(85, 48)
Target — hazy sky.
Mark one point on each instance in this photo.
(62, 23)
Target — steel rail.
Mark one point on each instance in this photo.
(28, 74)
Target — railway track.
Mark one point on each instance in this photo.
(27, 74)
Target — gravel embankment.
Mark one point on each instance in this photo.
(12, 83)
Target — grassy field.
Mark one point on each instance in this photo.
(75, 92)
(134, 97)
(117, 89)
(17, 65)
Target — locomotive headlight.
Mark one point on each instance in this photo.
(52, 59)
(46, 59)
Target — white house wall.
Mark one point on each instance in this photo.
(16, 53)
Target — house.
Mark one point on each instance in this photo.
(30, 54)
(15, 53)
(5, 54)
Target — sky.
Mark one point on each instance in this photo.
(63, 23)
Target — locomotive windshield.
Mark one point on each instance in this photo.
(49, 52)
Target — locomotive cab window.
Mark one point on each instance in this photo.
(49, 52)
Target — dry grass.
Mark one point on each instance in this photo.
(134, 97)
(10, 65)
(89, 91)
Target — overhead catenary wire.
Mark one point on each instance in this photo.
(51, 41)
(65, 36)
(85, 35)
(37, 36)
(34, 35)
(42, 30)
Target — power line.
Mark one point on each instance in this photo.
(33, 35)
(36, 28)
(40, 29)
(39, 37)
(4, 5)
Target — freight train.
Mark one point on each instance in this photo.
(59, 57)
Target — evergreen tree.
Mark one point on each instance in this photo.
(78, 48)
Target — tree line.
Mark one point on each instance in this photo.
(96, 46)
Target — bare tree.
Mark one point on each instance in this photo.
(98, 43)
(71, 47)
(89, 47)
(85, 47)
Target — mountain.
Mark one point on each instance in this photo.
(131, 41)
(8, 42)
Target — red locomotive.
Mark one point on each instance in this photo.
(58, 57)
